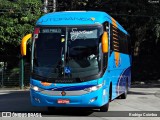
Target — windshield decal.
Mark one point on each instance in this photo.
(67, 70)
(62, 40)
(35, 36)
(82, 34)
(36, 32)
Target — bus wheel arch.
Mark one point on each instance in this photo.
(110, 91)
(124, 95)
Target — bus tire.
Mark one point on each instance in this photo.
(104, 108)
(124, 95)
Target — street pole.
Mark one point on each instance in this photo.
(54, 5)
(22, 73)
(45, 6)
(2, 71)
(2, 77)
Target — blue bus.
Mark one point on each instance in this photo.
(78, 59)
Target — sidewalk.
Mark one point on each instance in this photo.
(13, 89)
(141, 84)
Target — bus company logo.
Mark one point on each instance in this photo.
(63, 93)
(66, 19)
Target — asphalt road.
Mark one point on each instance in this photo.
(139, 100)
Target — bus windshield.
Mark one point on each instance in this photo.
(67, 52)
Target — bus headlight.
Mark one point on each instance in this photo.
(35, 88)
(94, 88)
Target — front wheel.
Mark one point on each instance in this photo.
(104, 108)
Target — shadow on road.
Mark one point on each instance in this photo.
(70, 112)
(19, 102)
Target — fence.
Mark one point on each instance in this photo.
(10, 73)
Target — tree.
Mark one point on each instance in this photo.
(17, 19)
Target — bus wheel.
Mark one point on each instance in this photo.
(51, 109)
(104, 108)
(124, 95)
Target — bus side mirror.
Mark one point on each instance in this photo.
(105, 42)
(24, 44)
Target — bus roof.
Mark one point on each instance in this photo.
(77, 18)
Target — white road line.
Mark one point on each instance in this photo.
(3, 93)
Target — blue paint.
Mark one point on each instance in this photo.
(76, 18)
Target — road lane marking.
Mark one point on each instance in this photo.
(3, 93)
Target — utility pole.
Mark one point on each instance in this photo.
(73, 5)
(45, 6)
(54, 5)
(49, 5)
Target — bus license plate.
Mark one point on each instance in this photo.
(63, 101)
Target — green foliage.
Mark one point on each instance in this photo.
(18, 19)
(139, 17)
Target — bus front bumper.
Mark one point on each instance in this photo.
(92, 99)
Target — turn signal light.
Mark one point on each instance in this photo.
(46, 83)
